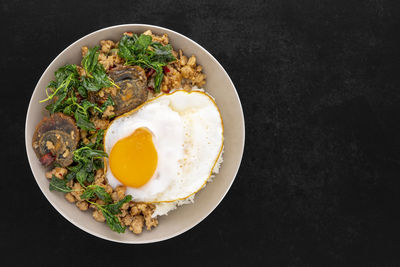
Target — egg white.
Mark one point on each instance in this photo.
(187, 133)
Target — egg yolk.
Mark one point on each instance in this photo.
(133, 159)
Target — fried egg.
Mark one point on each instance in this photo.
(165, 150)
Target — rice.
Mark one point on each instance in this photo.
(163, 208)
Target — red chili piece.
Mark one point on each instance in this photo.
(166, 69)
(150, 72)
(47, 159)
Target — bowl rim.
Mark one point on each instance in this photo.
(88, 230)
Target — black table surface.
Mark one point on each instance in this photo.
(319, 84)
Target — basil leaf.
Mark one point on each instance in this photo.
(88, 194)
(81, 176)
(95, 190)
(98, 164)
(142, 42)
(100, 192)
(68, 110)
(98, 144)
(96, 77)
(115, 207)
(90, 177)
(87, 104)
(76, 168)
(99, 139)
(90, 84)
(147, 54)
(59, 185)
(112, 221)
(109, 211)
(83, 122)
(67, 77)
(95, 153)
(89, 61)
(82, 91)
(70, 176)
(158, 78)
(162, 53)
(108, 102)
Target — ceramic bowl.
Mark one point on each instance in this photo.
(219, 85)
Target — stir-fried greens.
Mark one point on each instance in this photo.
(69, 93)
(68, 85)
(96, 77)
(142, 51)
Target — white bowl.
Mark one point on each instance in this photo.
(219, 85)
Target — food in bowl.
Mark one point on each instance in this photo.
(131, 134)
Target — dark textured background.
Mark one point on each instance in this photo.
(319, 83)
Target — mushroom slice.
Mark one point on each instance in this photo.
(55, 139)
(132, 91)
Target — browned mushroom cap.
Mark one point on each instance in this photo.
(133, 90)
(55, 139)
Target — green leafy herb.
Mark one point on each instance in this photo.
(115, 207)
(82, 121)
(108, 102)
(162, 53)
(112, 220)
(70, 176)
(67, 77)
(94, 190)
(69, 93)
(96, 77)
(142, 51)
(81, 176)
(86, 153)
(90, 61)
(59, 185)
(110, 211)
(80, 111)
(67, 83)
(98, 164)
(85, 157)
(82, 91)
(98, 144)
